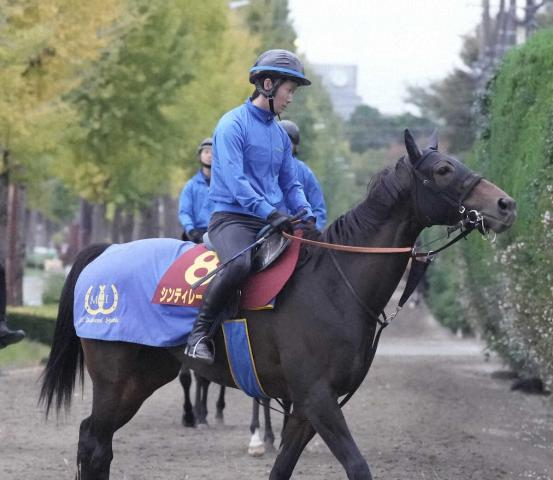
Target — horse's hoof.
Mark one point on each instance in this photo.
(202, 426)
(256, 448)
(188, 422)
(219, 420)
(257, 451)
(269, 447)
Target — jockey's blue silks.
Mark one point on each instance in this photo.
(253, 171)
(195, 209)
(313, 192)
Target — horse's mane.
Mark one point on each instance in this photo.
(383, 192)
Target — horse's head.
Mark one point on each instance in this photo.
(445, 191)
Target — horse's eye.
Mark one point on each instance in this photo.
(443, 170)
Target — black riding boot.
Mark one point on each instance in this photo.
(7, 336)
(200, 344)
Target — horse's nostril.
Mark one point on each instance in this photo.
(506, 204)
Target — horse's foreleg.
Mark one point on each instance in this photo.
(327, 418)
(256, 448)
(269, 436)
(220, 405)
(296, 435)
(185, 378)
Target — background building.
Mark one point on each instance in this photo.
(341, 83)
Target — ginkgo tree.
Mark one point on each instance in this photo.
(44, 47)
(151, 98)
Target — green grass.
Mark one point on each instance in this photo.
(26, 353)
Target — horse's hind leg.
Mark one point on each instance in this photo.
(220, 406)
(256, 448)
(118, 393)
(269, 436)
(296, 435)
(185, 378)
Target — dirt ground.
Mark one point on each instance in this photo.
(429, 409)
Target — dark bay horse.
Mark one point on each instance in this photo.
(314, 347)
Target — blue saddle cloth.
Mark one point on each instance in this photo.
(113, 302)
(113, 295)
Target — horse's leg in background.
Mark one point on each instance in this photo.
(256, 448)
(200, 406)
(185, 378)
(269, 436)
(296, 435)
(117, 395)
(219, 417)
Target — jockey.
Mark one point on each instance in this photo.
(311, 186)
(254, 183)
(7, 336)
(194, 206)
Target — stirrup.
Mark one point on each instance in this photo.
(192, 354)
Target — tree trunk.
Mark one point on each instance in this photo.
(511, 25)
(31, 229)
(116, 225)
(4, 183)
(15, 260)
(127, 226)
(498, 40)
(149, 221)
(530, 23)
(171, 227)
(85, 223)
(100, 230)
(49, 228)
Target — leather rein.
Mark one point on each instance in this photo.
(471, 220)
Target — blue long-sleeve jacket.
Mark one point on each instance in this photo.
(313, 192)
(195, 208)
(253, 171)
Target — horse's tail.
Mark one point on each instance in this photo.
(66, 354)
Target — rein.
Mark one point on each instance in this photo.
(468, 224)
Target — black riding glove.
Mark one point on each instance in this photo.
(280, 222)
(196, 235)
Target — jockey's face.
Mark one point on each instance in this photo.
(205, 156)
(284, 94)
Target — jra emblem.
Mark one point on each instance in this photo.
(101, 303)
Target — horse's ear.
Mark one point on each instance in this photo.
(412, 149)
(433, 142)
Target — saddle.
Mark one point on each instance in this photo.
(274, 262)
(265, 254)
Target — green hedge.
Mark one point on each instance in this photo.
(510, 283)
(38, 322)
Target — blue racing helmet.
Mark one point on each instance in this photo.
(279, 64)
